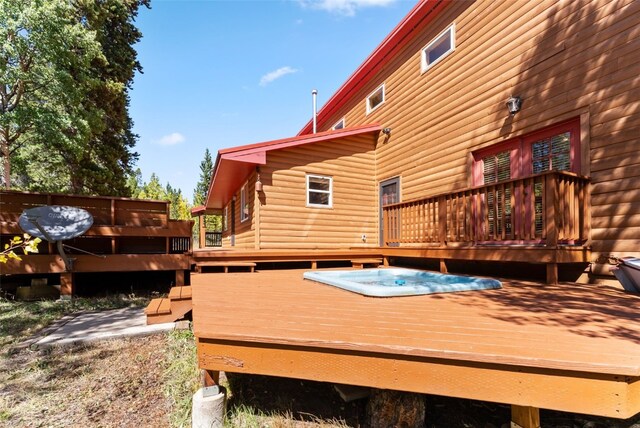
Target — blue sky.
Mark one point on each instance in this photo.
(226, 73)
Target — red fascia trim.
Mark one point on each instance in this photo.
(423, 13)
(197, 210)
(240, 151)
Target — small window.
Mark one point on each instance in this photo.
(552, 153)
(319, 191)
(497, 167)
(225, 218)
(244, 204)
(438, 48)
(339, 125)
(375, 99)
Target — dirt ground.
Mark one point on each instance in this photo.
(111, 384)
(119, 383)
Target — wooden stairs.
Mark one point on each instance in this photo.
(171, 308)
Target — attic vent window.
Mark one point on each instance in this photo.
(376, 99)
(338, 125)
(439, 48)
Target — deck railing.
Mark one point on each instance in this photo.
(213, 239)
(120, 225)
(550, 208)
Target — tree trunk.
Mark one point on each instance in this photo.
(391, 409)
(4, 148)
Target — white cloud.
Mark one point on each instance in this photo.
(171, 139)
(276, 74)
(343, 7)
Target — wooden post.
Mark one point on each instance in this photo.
(552, 273)
(203, 231)
(443, 266)
(551, 209)
(179, 278)
(66, 284)
(385, 261)
(314, 264)
(442, 220)
(209, 377)
(525, 417)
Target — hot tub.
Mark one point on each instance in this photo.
(399, 281)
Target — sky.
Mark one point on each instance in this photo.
(224, 73)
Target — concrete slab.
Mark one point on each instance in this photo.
(87, 327)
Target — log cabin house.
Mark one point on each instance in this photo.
(418, 155)
(477, 132)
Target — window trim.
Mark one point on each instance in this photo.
(344, 124)
(424, 67)
(329, 192)
(384, 98)
(225, 218)
(244, 201)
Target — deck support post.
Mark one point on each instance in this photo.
(443, 266)
(552, 273)
(66, 285)
(179, 278)
(209, 402)
(385, 261)
(525, 417)
(314, 264)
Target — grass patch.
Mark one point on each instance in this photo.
(19, 320)
(181, 377)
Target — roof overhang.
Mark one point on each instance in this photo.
(234, 165)
(417, 19)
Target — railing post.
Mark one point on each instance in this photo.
(442, 220)
(551, 209)
(385, 227)
(203, 231)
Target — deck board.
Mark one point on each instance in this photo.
(586, 328)
(568, 347)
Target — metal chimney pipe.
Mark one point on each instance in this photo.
(314, 95)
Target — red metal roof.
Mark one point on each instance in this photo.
(421, 15)
(234, 165)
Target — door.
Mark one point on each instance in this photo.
(389, 194)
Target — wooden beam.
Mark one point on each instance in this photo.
(566, 390)
(443, 266)
(525, 417)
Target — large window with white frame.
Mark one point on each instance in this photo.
(439, 48)
(319, 191)
(339, 125)
(375, 99)
(244, 203)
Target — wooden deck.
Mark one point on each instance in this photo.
(566, 347)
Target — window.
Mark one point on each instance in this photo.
(439, 48)
(338, 125)
(225, 218)
(376, 99)
(554, 148)
(244, 204)
(319, 191)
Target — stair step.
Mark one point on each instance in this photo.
(180, 293)
(158, 307)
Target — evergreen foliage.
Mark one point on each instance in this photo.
(65, 71)
(212, 222)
